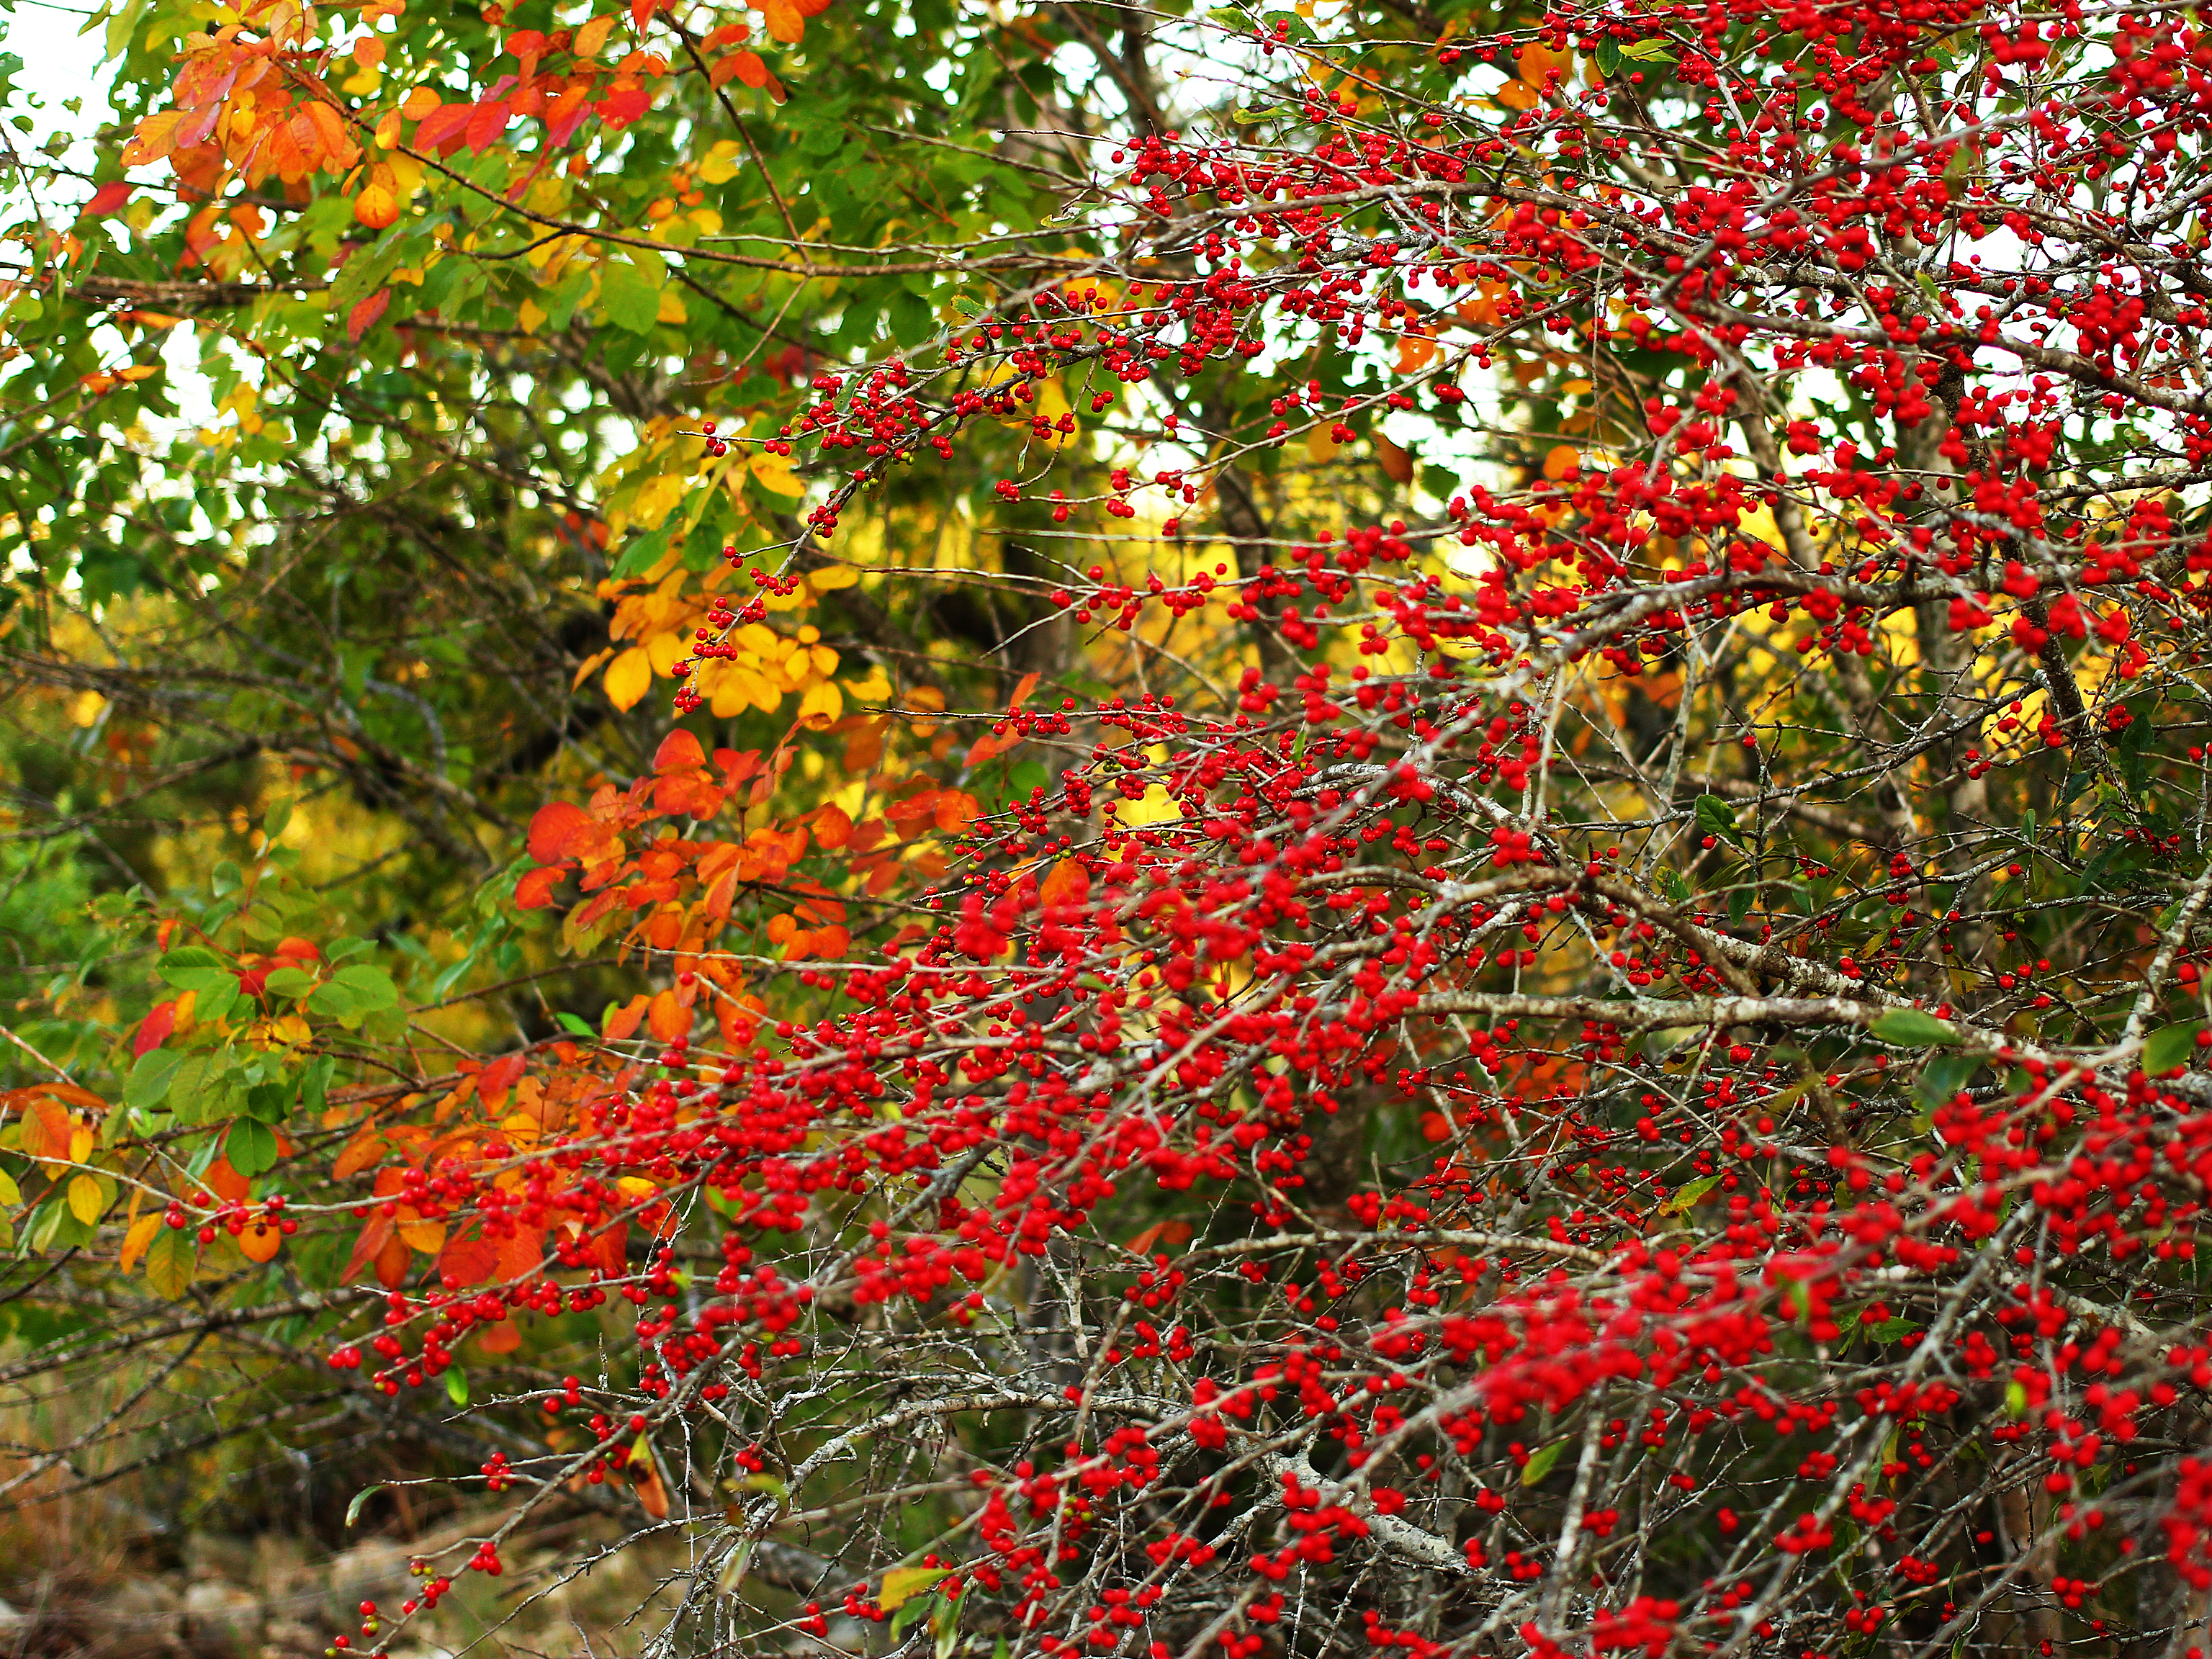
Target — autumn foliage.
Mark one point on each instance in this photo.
(1363, 830)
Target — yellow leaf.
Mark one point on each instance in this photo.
(590, 663)
(830, 577)
(10, 1193)
(722, 163)
(1320, 445)
(85, 708)
(822, 705)
(530, 314)
(594, 36)
(656, 500)
(1564, 458)
(665, 651)
(1536, 62)
(140, 1236)
(172, 1262)
(425, 1237)
(707, 219)
(81, 1141)
(774, 473)
(903, 1584)
(672, 307)
(630, 676)
(86, 1200)
(874, 688)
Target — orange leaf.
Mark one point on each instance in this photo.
(833, 828)
(645, 1480)
(363, 317)
(955, 807)
(375, 1235)
(535, 890)
(785, 21)
(108, 198)
(520, 1253)
(364, 1150)
(261, 1240)
(426, 1237)
(155, 137)
(1397, 463)
(466, 1261)
(140, 1236)
(667, 1019)
(505, 1336)
(226, 1183)
(680, 752)
(1029, 684)
(555, 829)
(624, 1021)
(391, 1263)
(1068, 883)
(629, 678)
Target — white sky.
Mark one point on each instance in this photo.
(59, 62)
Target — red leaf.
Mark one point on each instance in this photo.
(608, 1251)
(443, 125)
(467, 1262)
(363, 317)
(108, 198)
(496, 1079)
(156, 1030)
(535, 890)
(486, 122)
(554, 827)
(624, 104)
(367, 1247)
(566, 113)
(680, 752)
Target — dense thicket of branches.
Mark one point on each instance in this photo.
(1432, 877)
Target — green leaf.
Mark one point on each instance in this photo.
(1689, 1193)
(1647, 52)
(360, 1498)
(1909, 1027)
(912, 321)
(1677, 889)
(901, 1584)
(1943, 1078)
(289, 981)
(270, 1103)
(251, 1147)
(1607, 57)
(2169, 1046)
(150, 1079)
(631, 296)
(1893, 1330)
(172, 1260)
(1540, 1463)
(457, 1386)
(371, 985)
(315, 1083)
(10, 1193)
(574, 1025)
(1716, 818)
